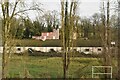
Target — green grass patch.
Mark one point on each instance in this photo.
(50, 67)
(46, 67)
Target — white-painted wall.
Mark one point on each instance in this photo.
(46, 49)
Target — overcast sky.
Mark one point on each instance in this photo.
(86, 7)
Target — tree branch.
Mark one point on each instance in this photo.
(27, 10)
(14, 8)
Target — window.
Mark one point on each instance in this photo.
(86, 49)
(99, 49)
(18, 49)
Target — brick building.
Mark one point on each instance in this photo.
(48, 35)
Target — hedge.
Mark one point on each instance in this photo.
(57, 43)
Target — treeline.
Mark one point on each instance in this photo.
(90, 28)
(25, 28)
(87, 28)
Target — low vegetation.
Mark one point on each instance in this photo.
(53, 53)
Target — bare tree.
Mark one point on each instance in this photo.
(106, 38)
(8, 14)
(118, 40)
(68, 27)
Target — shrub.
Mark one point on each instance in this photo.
(52, 51)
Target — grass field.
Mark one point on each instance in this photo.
(49, 67)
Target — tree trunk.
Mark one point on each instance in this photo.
(67, 32)
(118, 40)
(106, 41)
